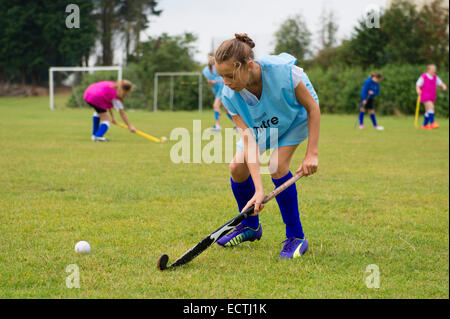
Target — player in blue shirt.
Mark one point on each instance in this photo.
(274, 106)
(214, 79)
(370, 89)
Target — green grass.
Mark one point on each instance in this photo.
(378, 198)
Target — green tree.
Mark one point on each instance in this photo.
(403, 40)
(328, 29)
(407, 35)
(35, 36)
(122, 19)
(107, 21)
(368, 43)
(293, 37)
(134, 18)
(164, 54)
(432, 28)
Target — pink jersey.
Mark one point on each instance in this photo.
(101, 94)
(428, 89)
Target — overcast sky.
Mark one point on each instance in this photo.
(220, 19)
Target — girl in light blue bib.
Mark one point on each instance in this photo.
(274, 106)
(213, 78)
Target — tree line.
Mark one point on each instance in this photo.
(407, 34)
(34, 35)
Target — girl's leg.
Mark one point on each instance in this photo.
(287, 200)
(216, 106)
(373, 118)
(242, 186)
(429, 106)
(426, 118)
(361, 116)
(243, 190)
(295, 245)
(95, 122)
(105, 123)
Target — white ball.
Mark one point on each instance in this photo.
(82, 247)
(163, 138)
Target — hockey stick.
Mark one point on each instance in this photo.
(416, 117)
(219, 232)
(145, 135)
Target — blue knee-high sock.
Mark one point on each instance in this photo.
(426, 119)
(288, 203)
(216, 115)
(95, 123)
(431, 116)
(374, 120)
(361, 118)
(243, 192)
(102, 129)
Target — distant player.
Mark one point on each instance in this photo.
(426, 88)
(274, 106)
(370, 89)
(103, 97)
(214, 79)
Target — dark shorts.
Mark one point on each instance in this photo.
(97, 109)
(369, 105)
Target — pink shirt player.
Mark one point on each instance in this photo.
(103, 97)
(101, 94)
(426, 88)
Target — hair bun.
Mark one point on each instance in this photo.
(244, 38)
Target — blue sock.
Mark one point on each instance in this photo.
(229, 116)
(361, 118)
(288, 203)
(95, 123)
(426, 119)
(374, 120)
(216, 115)
(243, 192)
(102, 129)
(431, 116)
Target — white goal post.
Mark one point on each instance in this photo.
(76, 68)
(172, 75)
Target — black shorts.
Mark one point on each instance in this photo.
(97, 109)
(369, 104)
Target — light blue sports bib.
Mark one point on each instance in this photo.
(278, 119)
(214, 76)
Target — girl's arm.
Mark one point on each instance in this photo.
(251, 155)
(125, 119)
(364, 91)
(419, 84)
(111, 113)
(418, 90)
(311, 160)
(119, 106)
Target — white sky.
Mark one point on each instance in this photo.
(220, 19)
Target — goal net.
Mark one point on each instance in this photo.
(68, 73)
(177, 91)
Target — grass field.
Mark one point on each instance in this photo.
(378, 198)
